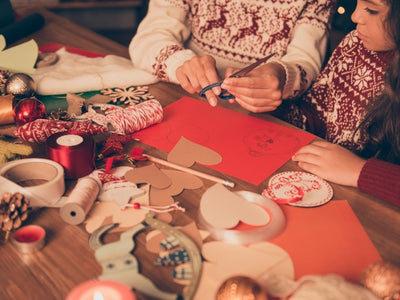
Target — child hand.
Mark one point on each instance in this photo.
(331, 162)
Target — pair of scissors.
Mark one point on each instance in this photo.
(225, 95)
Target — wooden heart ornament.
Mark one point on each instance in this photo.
(186, 153)
(224, 209)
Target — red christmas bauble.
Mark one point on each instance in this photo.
(28, 110)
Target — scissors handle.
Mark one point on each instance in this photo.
(225, 95)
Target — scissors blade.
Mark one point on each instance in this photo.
(245, 70)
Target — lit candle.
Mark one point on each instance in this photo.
(29, 238)
(101, 290)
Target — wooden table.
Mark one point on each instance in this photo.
(67, 259)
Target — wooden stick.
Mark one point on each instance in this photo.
(188, 170)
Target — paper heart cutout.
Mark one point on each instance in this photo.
(160, 197)
(224, 209)
(180, 181)
(186, 153)
(149, 174)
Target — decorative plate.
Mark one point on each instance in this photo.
(298, 189)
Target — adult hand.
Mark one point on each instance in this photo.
(197, 73)
(331, 162)
(260, 90)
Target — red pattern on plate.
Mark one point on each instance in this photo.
(316, 190)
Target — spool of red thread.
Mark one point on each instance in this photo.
(73, 151)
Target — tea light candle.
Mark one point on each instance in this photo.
(101, 290)
(29, 238)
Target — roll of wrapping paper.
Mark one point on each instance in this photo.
(74, 152)
(22, 28)
(6, 109)
(80, 201)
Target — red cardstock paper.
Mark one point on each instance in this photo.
(251, 149)
(54, 47)
(326, 239)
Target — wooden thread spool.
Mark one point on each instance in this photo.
(80, 200)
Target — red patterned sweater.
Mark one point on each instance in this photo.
(235, 33)
(336, 103)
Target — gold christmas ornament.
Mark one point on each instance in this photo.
(20, 85)
(383, 279)
(240, 288)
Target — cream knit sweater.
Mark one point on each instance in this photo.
(235, 33)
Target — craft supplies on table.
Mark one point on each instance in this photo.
(319, 239)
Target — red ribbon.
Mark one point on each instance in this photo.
(136, 154)
(77, 160)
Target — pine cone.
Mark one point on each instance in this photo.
(13, 210)
(4, 75)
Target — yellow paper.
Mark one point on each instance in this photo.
(2, 42)
(20, 58)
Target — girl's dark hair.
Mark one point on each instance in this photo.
(381, 125)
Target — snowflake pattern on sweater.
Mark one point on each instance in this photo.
(335, 105)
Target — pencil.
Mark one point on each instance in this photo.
(188, 170)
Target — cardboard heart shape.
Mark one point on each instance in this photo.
(180, 181)
(186, 153)
(224, 209)
(149, 174)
